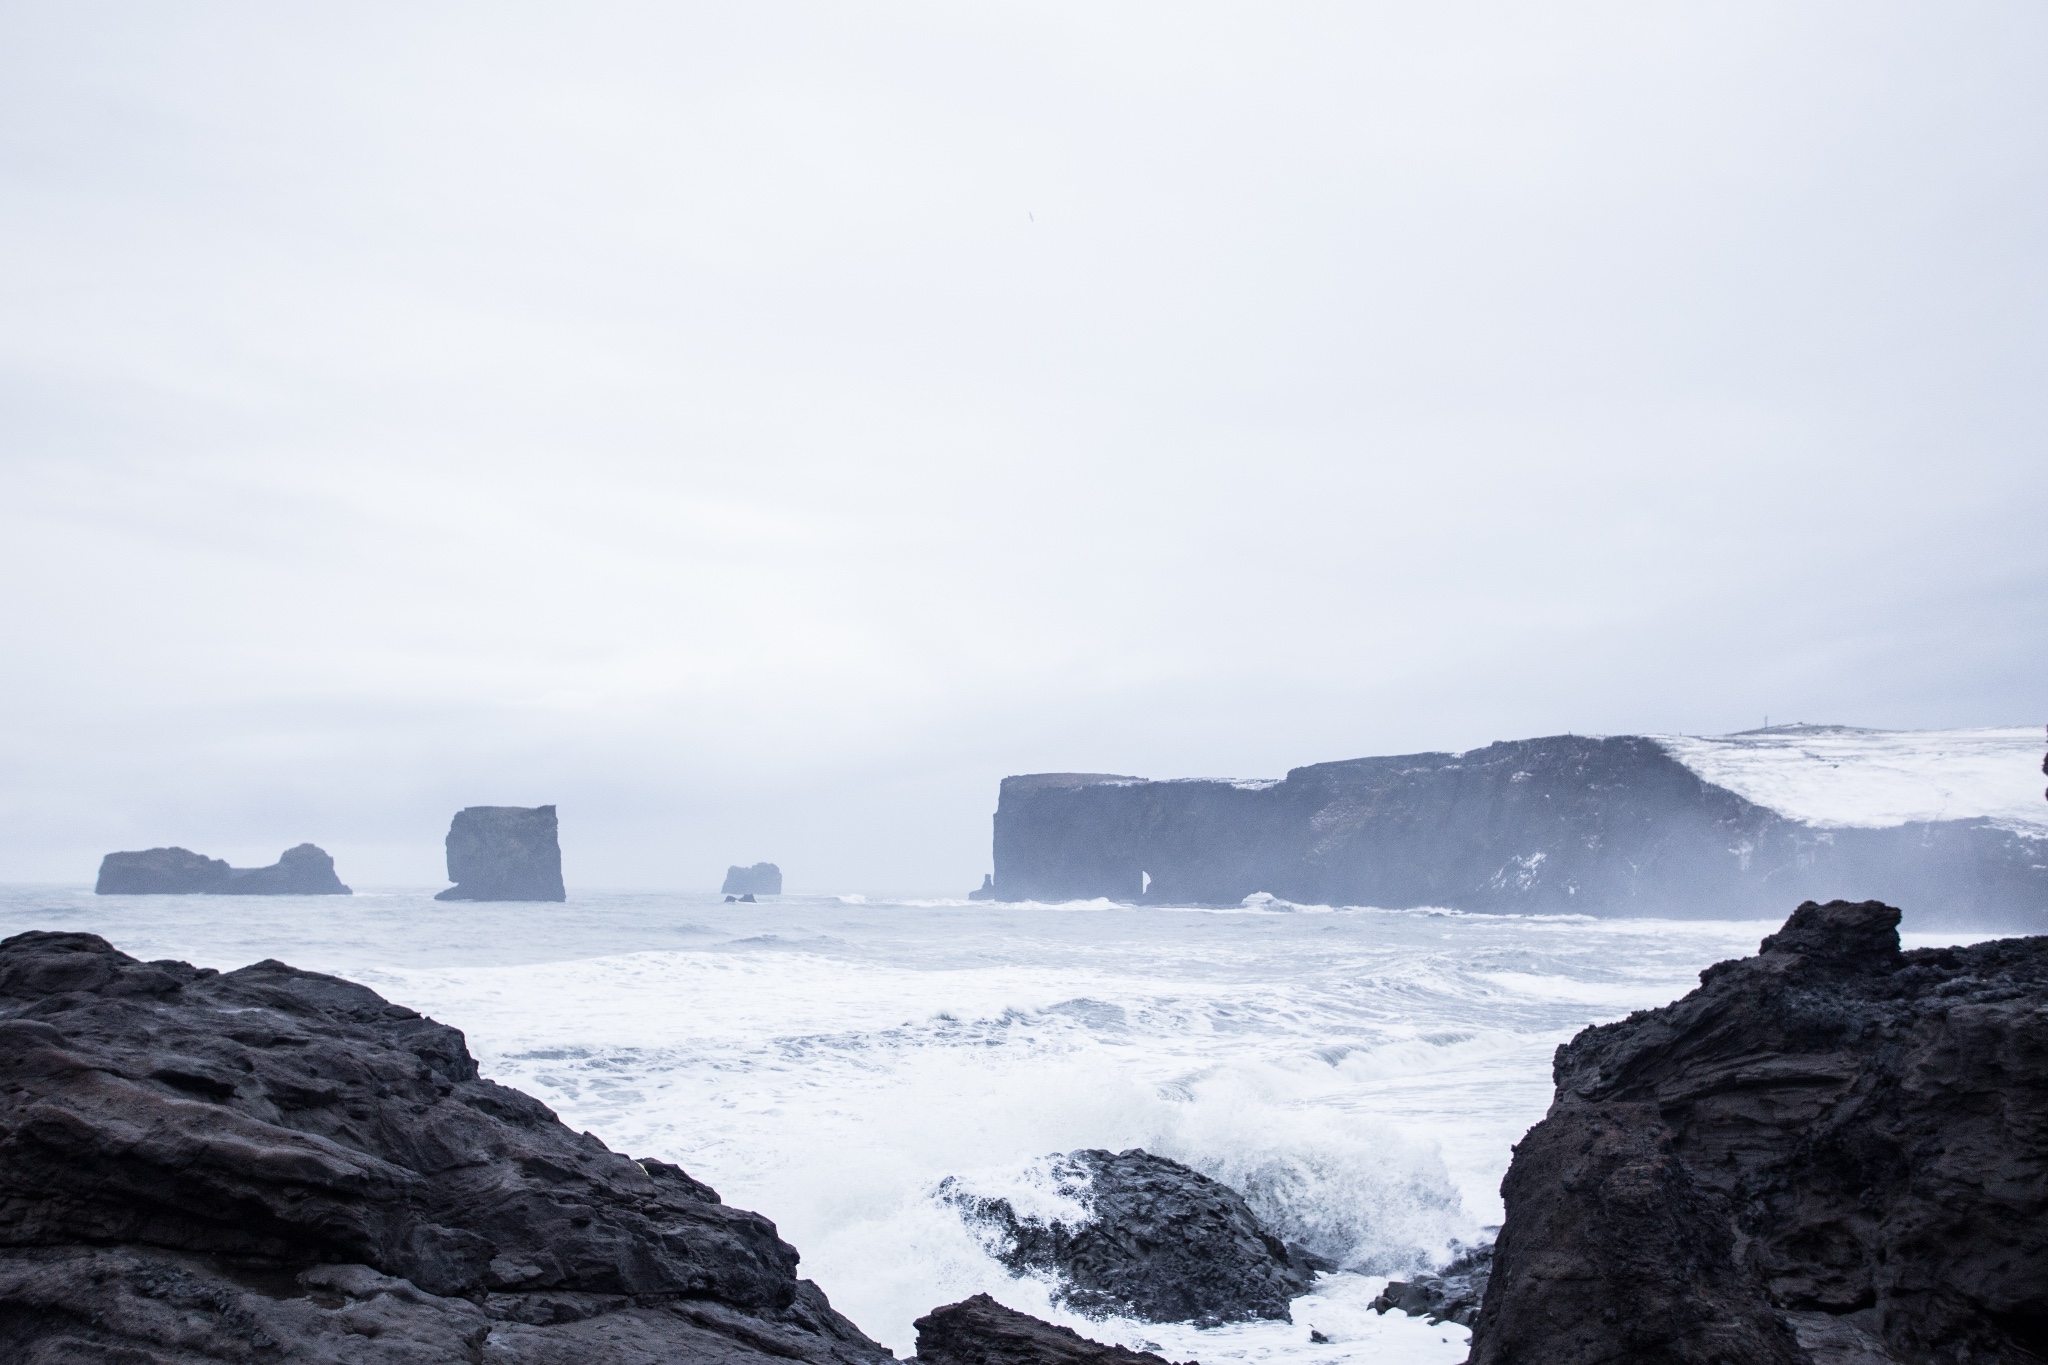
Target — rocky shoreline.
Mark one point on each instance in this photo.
(1831, 1153)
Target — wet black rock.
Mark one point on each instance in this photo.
(1161, 1243)
(504, 853)
(302, 871)
(1452, 1294)
(980, 1331)
(762, 879)
(1833, 1152)
(271, 1164)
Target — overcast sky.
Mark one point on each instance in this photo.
(758, 428)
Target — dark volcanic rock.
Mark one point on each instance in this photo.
(1565, 824)
(275, 1165)
(980, 1331)
(302, 871)
(504, 853)
(1162, 1243)
(762, 879)
(160, 872)
(1452, 1294)
(1833, 1151)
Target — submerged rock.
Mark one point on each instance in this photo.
(504, 853)
(980, 1331)
(1832, 1151)
(1160, 1242)
(271, 1164)
(762, 879)
(302, 871)
(1452, 1294)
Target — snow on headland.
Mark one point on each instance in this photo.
(1838, 776)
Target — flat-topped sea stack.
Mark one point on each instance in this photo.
(302, 871)
(1831, 1153)
(274, 1165)
(1946, 822)
(762, 879)
(504, 853)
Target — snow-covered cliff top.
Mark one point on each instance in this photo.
(1836, 776)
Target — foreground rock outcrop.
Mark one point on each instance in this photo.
(1831, 1152)
(1161, 1242)
(1452, 1294)
(274, 1165)
(504, 853)
(1565, 824)
(302, 871)
(980, 1331)
(762, 879)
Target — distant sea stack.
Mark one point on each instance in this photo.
(1621, 825)
(762, 879)
(504, 853)
(302, 871)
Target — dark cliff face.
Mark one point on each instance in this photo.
(1569, 824)
(504, 853)
(273, 1164)
(1832, 1151)
(302, 871)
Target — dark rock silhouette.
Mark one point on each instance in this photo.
(302, 871)
(1833, 1151)
(272, 1164)
(1162, 1243)
(504, 853)
(160, 871)
(987, 890)
(762, 879)
(1567, 824)
(1452, 1294)
(980, 1331)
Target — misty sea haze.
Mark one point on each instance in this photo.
(1359, 1074)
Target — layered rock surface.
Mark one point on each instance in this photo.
(305, 870)
(271, 1164)
(1160, 1242)
(504, 853)
(1832, 1152)
(1565, 824)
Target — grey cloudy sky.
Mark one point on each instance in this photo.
(758, 428)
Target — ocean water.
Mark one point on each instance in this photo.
(1358, 1074)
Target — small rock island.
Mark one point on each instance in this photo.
(762, 879)
(306, 870)
(504, 853)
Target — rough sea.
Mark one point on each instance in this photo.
(1358, 1074)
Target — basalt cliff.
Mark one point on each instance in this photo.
(1831, 1153)
(504, 853)
(271, 1165)
(1567, 824)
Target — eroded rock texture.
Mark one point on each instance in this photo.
(504, 853)
(1834, 1151)
(980, 1331)
(271, 1165)
(1161, 1243)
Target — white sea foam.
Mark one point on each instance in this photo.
(1358, 1074)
